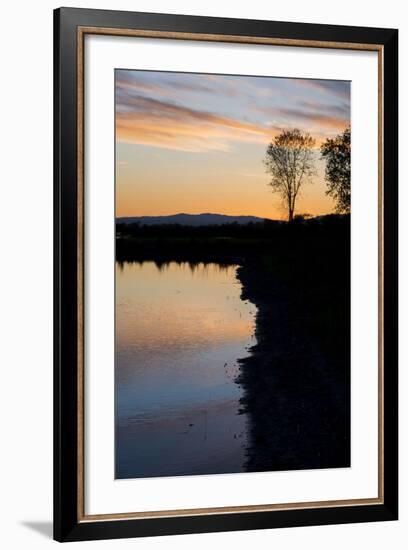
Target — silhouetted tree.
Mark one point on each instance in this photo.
(289, 160)
(336, 151)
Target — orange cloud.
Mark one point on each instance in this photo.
(158, 123)
(162, 124)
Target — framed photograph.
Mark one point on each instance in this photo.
(225, 274)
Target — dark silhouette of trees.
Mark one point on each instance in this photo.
(233, 242)
(336, 151)
(289, 160)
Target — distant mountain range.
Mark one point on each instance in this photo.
(190, 219)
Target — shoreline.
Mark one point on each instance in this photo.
(296, 389)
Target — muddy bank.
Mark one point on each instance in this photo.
(296, 380)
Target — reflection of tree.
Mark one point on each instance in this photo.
(337, 154)
(289, 160)
(193, 265)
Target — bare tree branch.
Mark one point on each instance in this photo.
(289, 161)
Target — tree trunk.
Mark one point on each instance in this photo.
(291, 208)
(290, 214)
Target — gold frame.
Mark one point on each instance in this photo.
(81, 33)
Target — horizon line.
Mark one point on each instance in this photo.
(225, 215)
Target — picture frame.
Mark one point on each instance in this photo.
(71, 27)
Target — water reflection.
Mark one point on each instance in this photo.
(180, 329)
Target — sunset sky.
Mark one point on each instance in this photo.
(195, 143)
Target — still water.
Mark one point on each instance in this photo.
(180, 330)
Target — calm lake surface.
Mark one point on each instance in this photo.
(180, 330)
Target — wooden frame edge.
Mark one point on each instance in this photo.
(179, 35)
(80, 274)
(81, 32)
(189, 512)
